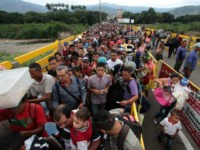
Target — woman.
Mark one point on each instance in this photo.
(167, 84)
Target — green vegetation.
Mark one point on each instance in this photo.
(5, 56)
(151, 16)
(46, 25)
(177, 27)
(38, 30)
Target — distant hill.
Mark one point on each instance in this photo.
(20, 6)
(112, 8)
(190, 10)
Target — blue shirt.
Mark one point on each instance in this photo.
(76, 88)
(192, 59)
(181, 53)
(137, 59)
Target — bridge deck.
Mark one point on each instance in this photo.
(150, 131)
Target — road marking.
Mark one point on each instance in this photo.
(185, 141)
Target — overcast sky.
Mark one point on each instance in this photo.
(148, 3)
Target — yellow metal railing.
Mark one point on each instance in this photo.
(51, 48)
(7, 64)
(28, 56)
(191, 39)
(135, 114)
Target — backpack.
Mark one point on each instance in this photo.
(142, 102)
(129, 123)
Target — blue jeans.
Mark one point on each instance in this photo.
(97, 107)
(170, 140)
(164, 111)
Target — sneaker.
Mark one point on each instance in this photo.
(155, 121)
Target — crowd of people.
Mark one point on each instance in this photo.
(101, 73)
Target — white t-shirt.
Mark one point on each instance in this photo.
(43, 87)
(170, 128)
(111, 63)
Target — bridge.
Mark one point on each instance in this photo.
(186, 138)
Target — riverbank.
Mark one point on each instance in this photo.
(13, 48)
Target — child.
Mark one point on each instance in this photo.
(81, 132)
(170, 127)
(181, 93)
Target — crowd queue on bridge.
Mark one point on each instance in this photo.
(89, 88)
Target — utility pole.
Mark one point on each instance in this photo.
(100, 20)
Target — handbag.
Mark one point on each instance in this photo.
(163, 97)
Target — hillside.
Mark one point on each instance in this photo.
(112, 8)
(190, 10)
(20, 6)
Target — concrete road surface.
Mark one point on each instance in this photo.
(150, 131)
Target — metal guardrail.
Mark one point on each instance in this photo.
(191, 39)
(135, 114)
(7, 64)
(35, 53)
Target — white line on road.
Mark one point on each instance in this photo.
(185, 140)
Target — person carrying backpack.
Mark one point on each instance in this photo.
(68, 90)
(130, 90)
(124, 134)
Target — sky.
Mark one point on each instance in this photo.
(147, 3)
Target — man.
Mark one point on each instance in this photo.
(90, 52)
(108, 124)
(98, 85)
(191, 61)
(26, 118)
(81, 52)
(65, 49)
(113, 60)
(41, 88)
(131, 92)
(86, 69)
(68, 90)
(180, 55)
(53, 64)
(63, 116)
(105, 52)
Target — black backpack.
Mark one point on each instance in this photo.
(128, 124)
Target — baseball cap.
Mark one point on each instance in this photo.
(112, 43)
(102, 60)
(66, 43)
(197, 44)
(85, 59)
(184, 82)
(119, 42)
(146, 56)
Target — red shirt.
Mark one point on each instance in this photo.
(87, 71)
(78, 136)
(30, 118)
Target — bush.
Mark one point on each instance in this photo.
(38, 30)
(176, 27)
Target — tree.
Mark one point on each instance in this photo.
(48, 6)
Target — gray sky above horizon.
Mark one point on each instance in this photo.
(146, 3)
